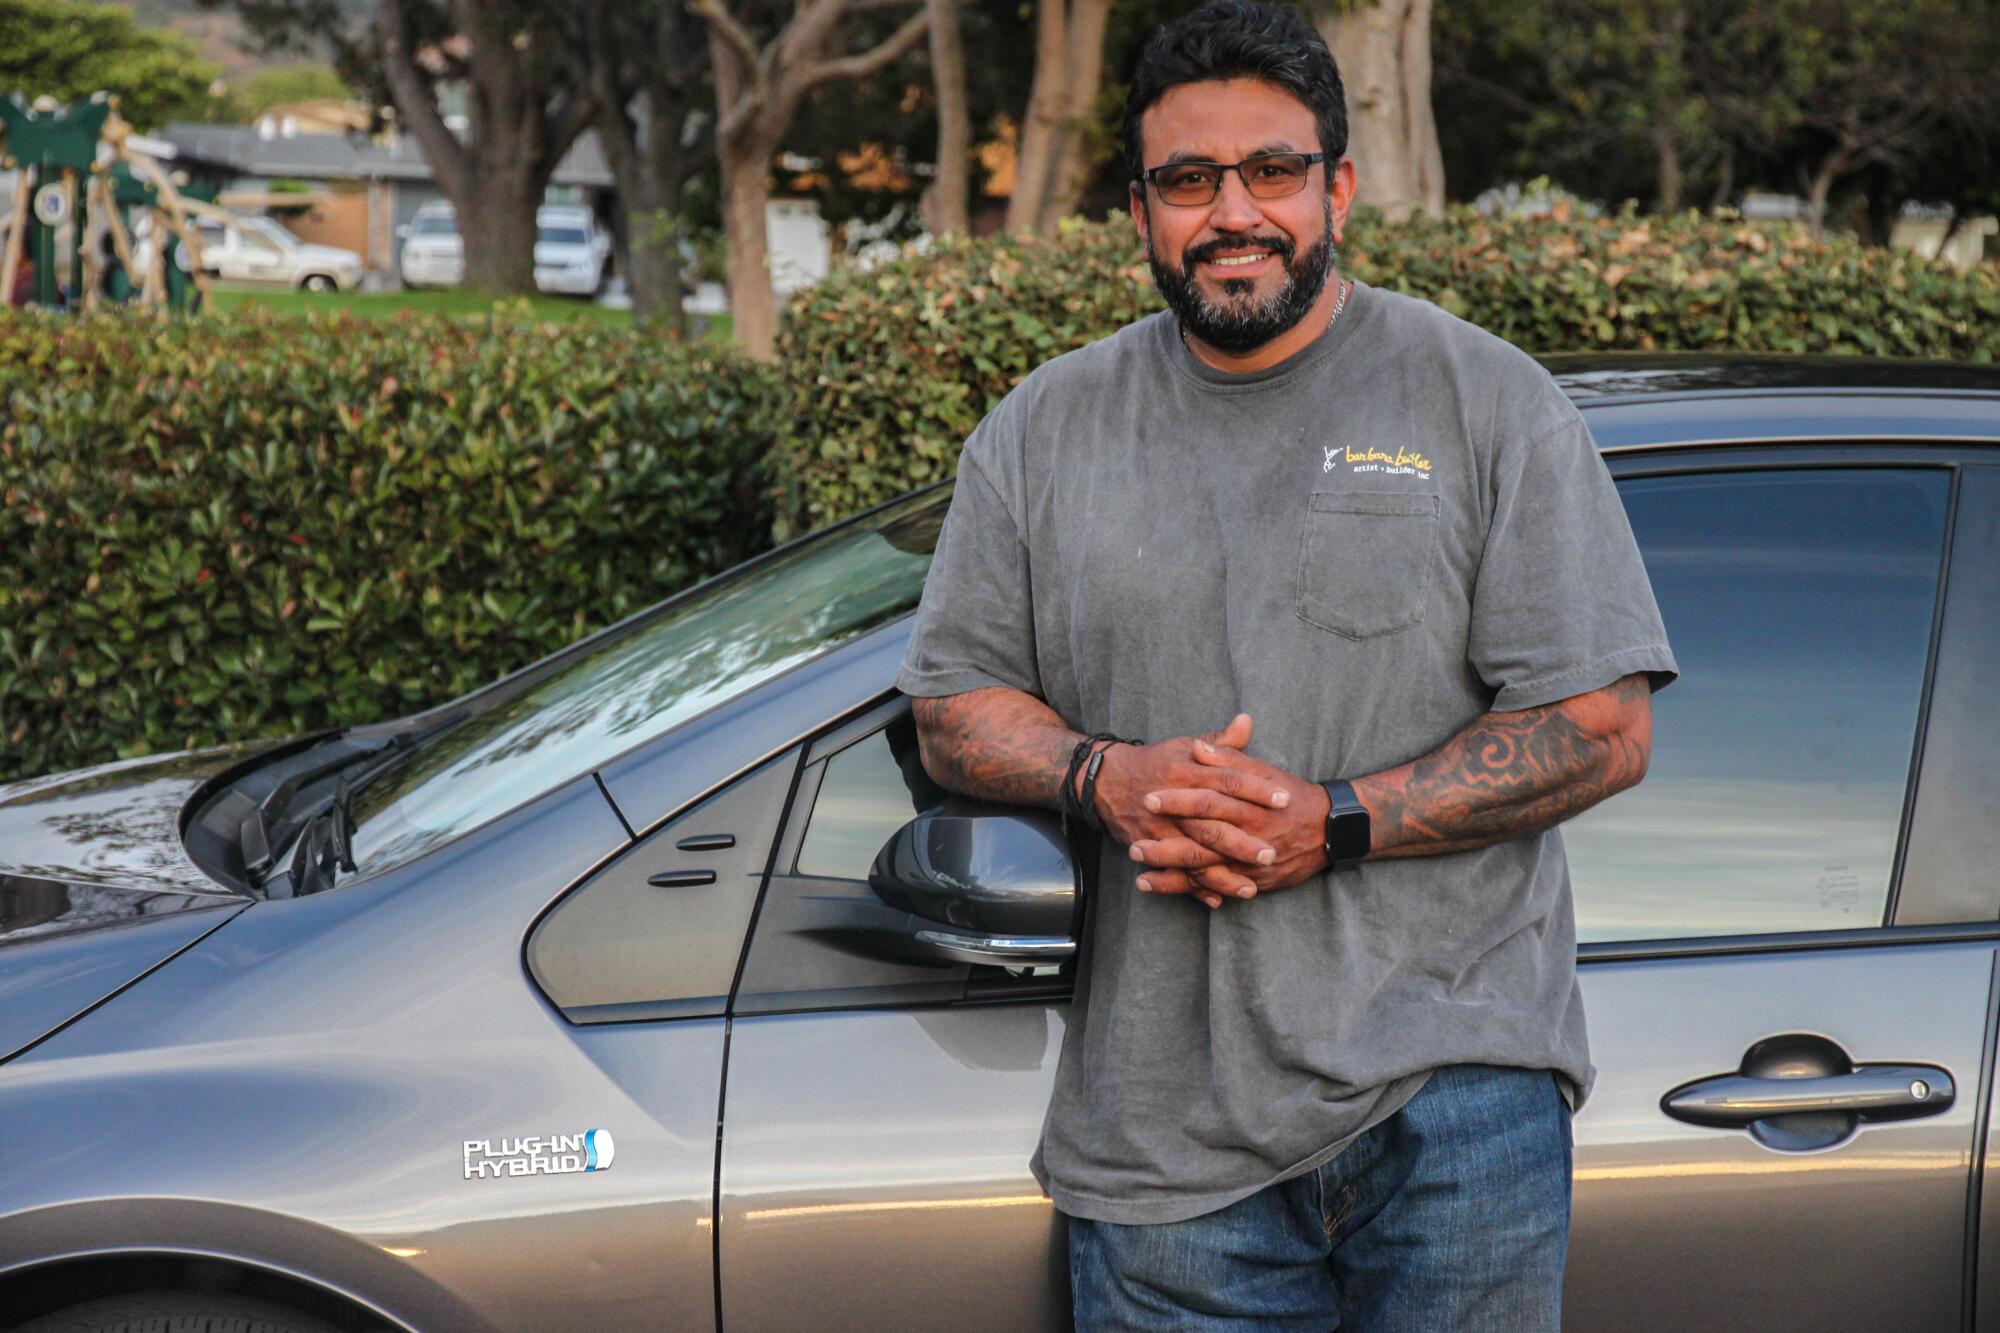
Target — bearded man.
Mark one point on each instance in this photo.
(1321, 606)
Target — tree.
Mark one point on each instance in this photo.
(1053, 166)
(1384, 53)
(946, 202)
(522, 112)
(645, 64)
(758, 88)
(69, 49)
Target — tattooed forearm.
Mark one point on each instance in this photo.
(1509, 775)
(997, 744)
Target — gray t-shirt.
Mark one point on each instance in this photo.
(1365, 547)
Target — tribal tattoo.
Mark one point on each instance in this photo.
(1509, 775)
(997, 744)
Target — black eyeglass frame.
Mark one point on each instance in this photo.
(1150, 176)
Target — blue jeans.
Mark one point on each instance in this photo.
(1452, 1214)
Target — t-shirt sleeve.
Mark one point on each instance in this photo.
(1562, 604)
(976, 623)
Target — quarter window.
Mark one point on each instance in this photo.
(1799, 605)
(871, 789)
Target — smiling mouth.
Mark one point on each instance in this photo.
(1237, 261)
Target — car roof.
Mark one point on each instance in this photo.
(1591, 378)
(1654, 400)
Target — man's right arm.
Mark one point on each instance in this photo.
(997, 744)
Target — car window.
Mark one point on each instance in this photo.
(562, 236)
(871, 789)
(436, 226)
(651, 675)
(1799, 604)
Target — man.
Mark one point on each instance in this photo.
(1296, 531)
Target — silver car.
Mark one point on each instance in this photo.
(656, 986)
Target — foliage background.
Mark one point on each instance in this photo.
(887, 371)
(218, 530)
(226, 528)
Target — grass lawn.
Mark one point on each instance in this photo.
(437, 301)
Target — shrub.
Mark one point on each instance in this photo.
(888, 370)
(218, 530)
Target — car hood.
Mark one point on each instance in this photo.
(554, 253)
(96, 888)
(434, 245)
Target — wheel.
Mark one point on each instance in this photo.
(317, 282)
(177, 1312)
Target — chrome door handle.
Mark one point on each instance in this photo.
(1867, 1092)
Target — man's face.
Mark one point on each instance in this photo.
(1238, 270)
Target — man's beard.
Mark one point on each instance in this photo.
(1242, 325)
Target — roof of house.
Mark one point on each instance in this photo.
(241, 149)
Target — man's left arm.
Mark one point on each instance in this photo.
(1507, 775)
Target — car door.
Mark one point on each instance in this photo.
(879, 1114)
(1787, 963)
(638, 959)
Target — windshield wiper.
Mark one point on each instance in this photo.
(356, 767)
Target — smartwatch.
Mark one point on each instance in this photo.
(1348, 833)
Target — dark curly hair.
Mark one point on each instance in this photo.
(1233, 40)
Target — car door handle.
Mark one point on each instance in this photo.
(1867, 1092)
(681, 879)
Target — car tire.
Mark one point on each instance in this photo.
(317, 282)
(179, 1312)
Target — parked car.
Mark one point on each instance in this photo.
(259, 250)
(570, 251)
(432, 254)
(657, 986)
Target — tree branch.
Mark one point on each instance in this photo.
(412, 95)
(736, 36)
(860, 66)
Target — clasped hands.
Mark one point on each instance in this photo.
(1208, 820)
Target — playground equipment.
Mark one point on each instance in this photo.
(78, 169)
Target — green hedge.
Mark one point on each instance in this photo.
(887, 370)
(221, 529)
(227, 529)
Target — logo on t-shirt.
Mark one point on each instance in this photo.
(1403, 462)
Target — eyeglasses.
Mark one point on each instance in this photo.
(1266, 176)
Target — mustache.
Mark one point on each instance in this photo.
(1281, 246)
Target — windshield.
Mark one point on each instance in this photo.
(436, 226)
(562, 236)
(264, 228)
(659, 671)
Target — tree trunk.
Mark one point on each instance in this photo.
(1821, 188)
(1041, 127)
(1384, 54)
(745, 195)
(1666, 167)
(1725, 178)
(497, 227)
(947, 201)
(1070, 172)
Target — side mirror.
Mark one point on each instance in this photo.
(982, 884)
(403, 231)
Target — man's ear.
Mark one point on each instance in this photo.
(1136, 195)
(1342, 187)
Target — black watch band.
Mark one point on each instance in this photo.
(1348, 832)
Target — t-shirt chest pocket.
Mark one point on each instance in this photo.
(1366, 561)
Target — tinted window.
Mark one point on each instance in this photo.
(871, 789)
(436, 226)
(562, 236)
(1799, 605)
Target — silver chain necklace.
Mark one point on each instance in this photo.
(1339, 304)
